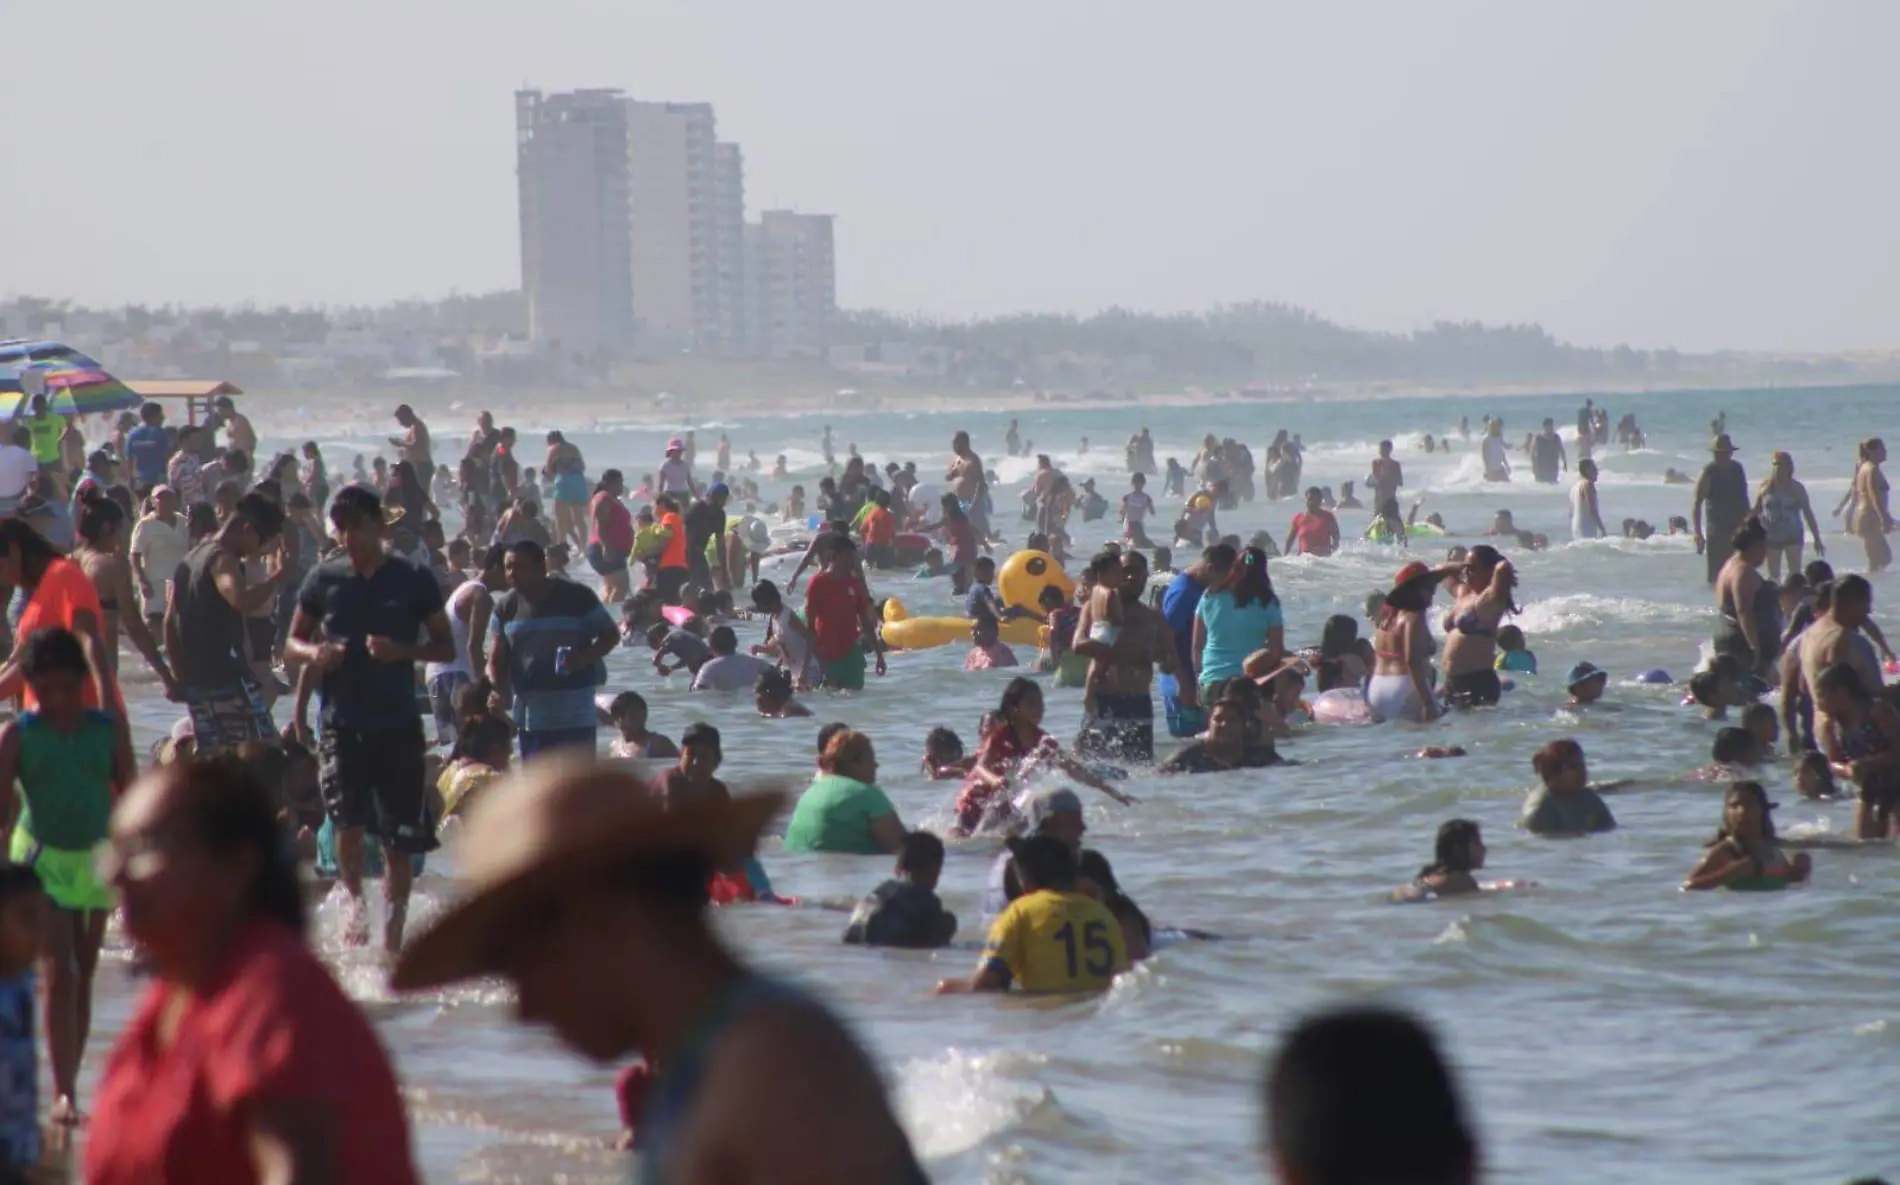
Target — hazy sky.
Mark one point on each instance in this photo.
(1703, 174)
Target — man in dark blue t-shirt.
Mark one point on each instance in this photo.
(149, 447)
(357, 621)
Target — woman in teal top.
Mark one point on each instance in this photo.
(843, 810)
(68, 761)
(1236, 618)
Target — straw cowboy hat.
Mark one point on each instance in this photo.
(552, 827)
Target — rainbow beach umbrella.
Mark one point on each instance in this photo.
(73, 383)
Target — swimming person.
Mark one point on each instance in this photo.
(1565, 805)
(1053, 938)
(1586, 682)
(1743, 854)
(1456, 854)
(905, 910)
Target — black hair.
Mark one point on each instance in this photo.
(827, 732)
(1050, 597)
(231, 810)
(481, 736)
(1755, 788)
(1043, 862)
(1250, 582)
(1705, 687)
(723, 640)
(1451, 852)
(1019, 689)
(921, 852)
(625, 700)
(1094, 866)
(1749, 533)
(774, 683)
(53, 649)
(1735, 746)
(1818, 572)
(352, 505)
(766, 597)
(98, 514)
(700, 733)
(1336, 639)
(943, 740)
(529, 550)
(1754, 712)
(33, 549)
(982, 561)
(1362, 1095)
(1845, 678)
(16, 879)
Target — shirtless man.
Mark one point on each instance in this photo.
(1833, 640)
(1119, 723)
(238, 433)
(1387, 475)
(965, 474)
(414, 443)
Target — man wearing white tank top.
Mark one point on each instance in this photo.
(468, 609)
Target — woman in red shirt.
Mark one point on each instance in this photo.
(984, 801)
(245, 1062)
(610, 536)
(59, 594)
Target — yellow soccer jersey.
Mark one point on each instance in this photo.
(1057, 942)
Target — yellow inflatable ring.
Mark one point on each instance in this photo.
(1020, 581)
(927, 633)
(1200, 501)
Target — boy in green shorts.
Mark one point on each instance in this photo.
(70, 762)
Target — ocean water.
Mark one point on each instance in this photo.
(1605, 1024)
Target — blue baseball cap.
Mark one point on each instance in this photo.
(718, 487)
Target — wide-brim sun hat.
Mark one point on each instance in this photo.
(1416, 570)
(555, 826)
(1722, 444)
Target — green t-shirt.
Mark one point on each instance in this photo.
(835, 815)
(66, 779)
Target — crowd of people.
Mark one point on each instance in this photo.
(429, 611)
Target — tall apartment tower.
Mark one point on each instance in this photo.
(632, 217)
(792, 281)
(572, 167)
(729, 254)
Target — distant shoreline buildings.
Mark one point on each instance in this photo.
(634, 238)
